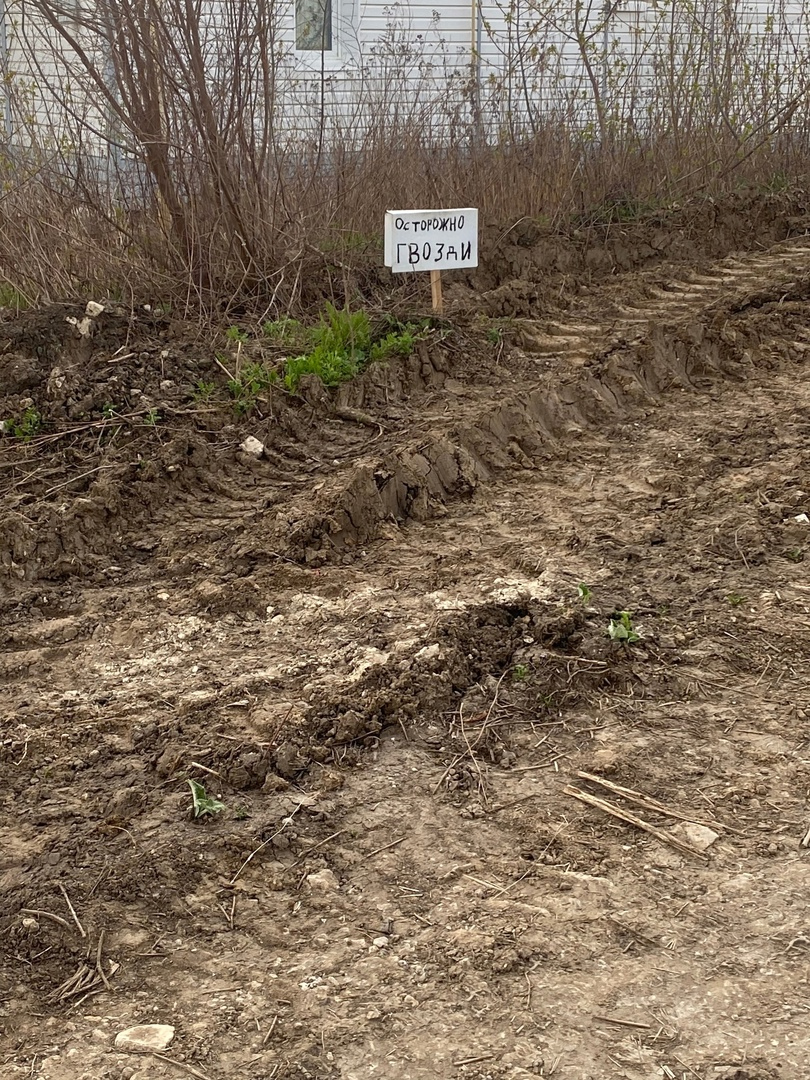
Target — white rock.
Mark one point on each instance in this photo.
(324, 880)
(380, 942)
(428, 652)
(252, 446)
(145, 1038)
(699, 836)
(802, 519)
(93, 309)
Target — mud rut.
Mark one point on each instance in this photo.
(388, 676)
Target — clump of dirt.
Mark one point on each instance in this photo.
(529, 267)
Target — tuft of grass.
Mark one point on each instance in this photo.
(12, 298)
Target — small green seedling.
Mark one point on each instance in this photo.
(236, 334)
(204, 390)
(152, 417)
(621, 629)
(203, 802)
(584, 593)
(520, 672)
(735, 599)
(26, 426)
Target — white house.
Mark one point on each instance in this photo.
(336, 68)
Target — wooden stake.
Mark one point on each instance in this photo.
(436, 291)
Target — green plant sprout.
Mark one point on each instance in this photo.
(203, 802)
(26, 426)
(621, 629)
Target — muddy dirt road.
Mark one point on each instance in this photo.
(466, 832)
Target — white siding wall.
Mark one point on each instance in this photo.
(513, 63)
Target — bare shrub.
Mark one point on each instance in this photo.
(171, 147)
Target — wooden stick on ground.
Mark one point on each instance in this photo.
(648, 803)
(625, 815)
(72, 911)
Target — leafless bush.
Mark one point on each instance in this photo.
(171, 147)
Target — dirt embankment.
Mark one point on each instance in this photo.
(495, 659)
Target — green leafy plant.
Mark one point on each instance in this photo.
(152, 417)
(343, 344)
(330, 365)
(203, 803)
(795, 555)
(236, 334)
(621, 628)
(287, 332)
(248, 386)
(735, 599)
(584, 593)
(396, 343)
(203, 391)
(26, 426)
(520, 672)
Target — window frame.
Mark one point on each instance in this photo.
(345, 44)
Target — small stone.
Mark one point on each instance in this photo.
(251, 445)
(93, 309)
(144, 1038)
(323, 881)
(699, 836)
(380, 942)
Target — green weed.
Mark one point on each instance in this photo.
(287, 332)
(330, 365)
(152, 417)
(796, 555)
(584, 593)
(251, 383)
(343, 344)
(236, 334)
(24, 427)
(520, 672)
(203, 803)
(735, 599)
(203, 391)
(12, 298)
(395, 343)
(621, 628)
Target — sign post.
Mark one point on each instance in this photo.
(436, 291)
(433, 240)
